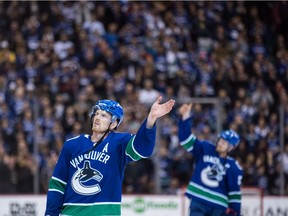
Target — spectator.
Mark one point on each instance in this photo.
(7, 167)
(62, 46)
(147, 94)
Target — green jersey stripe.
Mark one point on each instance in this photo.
(188, 144)
(131, 152)
(56, 185)
(57, 179)
(55, 190)
(95, 209)
(207, 195)
(234, 197)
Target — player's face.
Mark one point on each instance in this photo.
(222, 147)
(101, 121)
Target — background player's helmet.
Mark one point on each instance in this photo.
(231, 137)
(110, 106)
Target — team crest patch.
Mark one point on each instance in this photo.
(211, 176)
(85, 180)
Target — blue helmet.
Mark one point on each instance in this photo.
(110, 106)
(231, 137)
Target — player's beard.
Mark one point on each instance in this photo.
(99, 128)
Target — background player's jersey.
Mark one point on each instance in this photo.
(88, 182)
(216, 181)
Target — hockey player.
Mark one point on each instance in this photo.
(87, 179)
(214, 188)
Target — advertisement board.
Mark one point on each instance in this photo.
(160, 205)
(22, 205)
(144, 205)
(275, 206)
(251, 206)
(34, 205)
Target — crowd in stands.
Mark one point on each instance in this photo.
(57, 58)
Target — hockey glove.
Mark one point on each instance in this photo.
(231, 212)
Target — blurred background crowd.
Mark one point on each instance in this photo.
(58, 58)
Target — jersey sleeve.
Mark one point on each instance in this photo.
(234, 187)
(141, 145)
(57, 184)
(187, 139)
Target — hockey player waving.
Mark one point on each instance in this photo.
(87, 179)
(214, 188)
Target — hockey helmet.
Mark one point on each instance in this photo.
(231, 137)
(110, 106)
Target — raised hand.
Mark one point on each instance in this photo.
(185, 110)
(157, 110)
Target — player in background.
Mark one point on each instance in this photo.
(214, 188)
(87, 179)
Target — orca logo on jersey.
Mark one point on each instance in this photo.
(206, 179)
(211, 176)
(84, 181)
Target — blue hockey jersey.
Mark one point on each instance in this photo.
(90, 182)
(216, 181)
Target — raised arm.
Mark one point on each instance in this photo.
(157, 110)
(186, 138)
(185, 111)
(142, 144)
